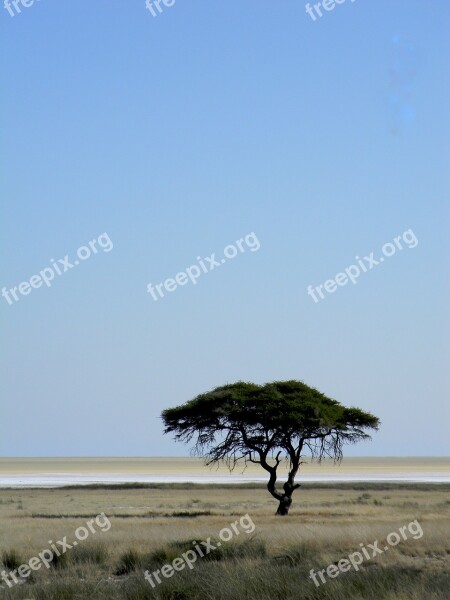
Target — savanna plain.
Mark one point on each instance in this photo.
(152, 524)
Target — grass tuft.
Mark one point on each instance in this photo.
(300, 554)
(128, 562)
(11, 559)
(94, 554)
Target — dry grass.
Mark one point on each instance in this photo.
(326, 523)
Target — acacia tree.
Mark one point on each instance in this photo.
(283, 421)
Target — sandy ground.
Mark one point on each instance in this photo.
(61, 471)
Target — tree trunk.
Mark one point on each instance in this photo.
(286, 498)
(284, 506)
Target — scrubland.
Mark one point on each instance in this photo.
(153, 524)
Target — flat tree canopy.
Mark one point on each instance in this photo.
(266, 425)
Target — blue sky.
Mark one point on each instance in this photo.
(180, 134)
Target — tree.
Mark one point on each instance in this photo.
(267, 425)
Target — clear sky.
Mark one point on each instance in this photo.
(178, 135)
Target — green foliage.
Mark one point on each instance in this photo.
(232, 420)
